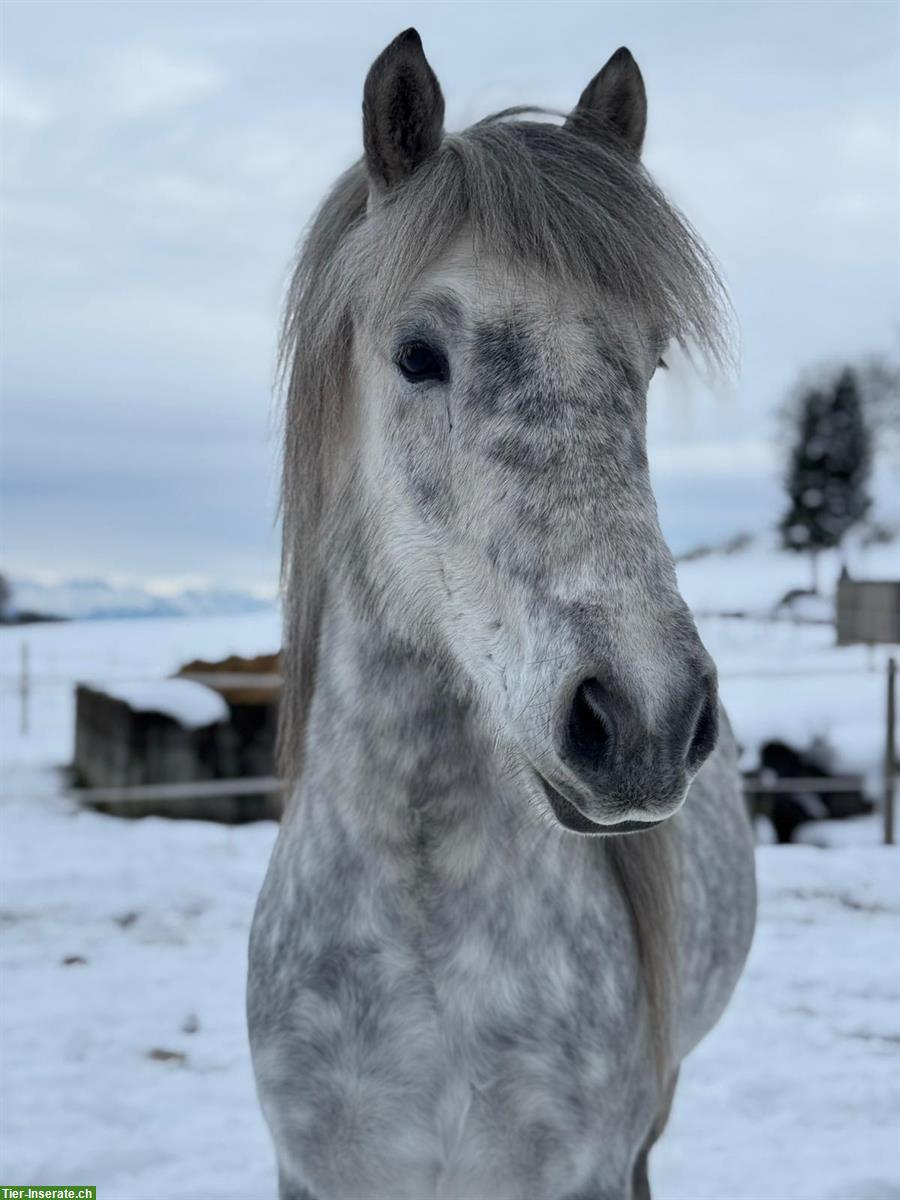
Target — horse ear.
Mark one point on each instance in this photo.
(614, 103)
(403, 111)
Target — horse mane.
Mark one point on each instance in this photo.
(573, 206)
(645, 867)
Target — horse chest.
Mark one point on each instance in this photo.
(457, 1041)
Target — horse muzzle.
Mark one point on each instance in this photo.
(612, 770)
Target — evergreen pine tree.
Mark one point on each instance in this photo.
(829, 470)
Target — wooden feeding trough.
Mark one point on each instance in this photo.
(198, 745)
(251, 688)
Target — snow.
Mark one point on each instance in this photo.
(790, 682)
(155, 915)
(123, 1042)
(755, 579)
(191, 704)
(785, 679)
(854, 831)
(109, 652)
(103, 598)
(794, 1096)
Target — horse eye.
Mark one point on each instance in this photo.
(663, 364)
(417, 362)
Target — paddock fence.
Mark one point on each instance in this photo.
(758, 791)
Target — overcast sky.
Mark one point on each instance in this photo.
(160, 160)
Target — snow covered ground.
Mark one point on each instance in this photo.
(122, 945)
(124, 1052)
(781, 679)
(778, 679)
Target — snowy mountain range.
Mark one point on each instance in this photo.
(99, 598)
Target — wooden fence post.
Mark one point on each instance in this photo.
(24, 689)
(890, 752)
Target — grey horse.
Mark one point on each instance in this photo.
(513, 884)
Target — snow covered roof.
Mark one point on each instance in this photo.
(191, 704)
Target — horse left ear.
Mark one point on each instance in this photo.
(614, 104)
(403, 111)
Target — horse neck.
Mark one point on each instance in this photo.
(390, 747)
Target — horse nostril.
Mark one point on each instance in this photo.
(706, 731)
(590, 728)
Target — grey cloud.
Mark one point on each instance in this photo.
(161, 160)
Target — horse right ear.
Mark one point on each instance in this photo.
(614, 104)
(403, 111)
